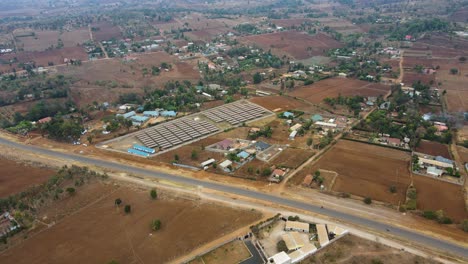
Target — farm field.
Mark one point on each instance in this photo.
(16, 177)
(412, 77)
(449, 197)
(42, 58)
(433, 148)
(129, 238)
(106, 31)
(353, 249)
(75, 37)
(41, 40)
(365, 170)
(332, 87)
(455, 85)
(297, 45)
(283, 103)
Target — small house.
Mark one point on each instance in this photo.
(151, 113)
(280, 258)
(316, 118)
(243, 155)
(168, 113)
(44, 120)
(434, 171)
(288, 115)
(225, 144)
(296, 226)
(261, 146)
(278, 173)
(293, 135)
(225, 165)
(296, 127)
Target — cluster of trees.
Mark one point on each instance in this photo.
(175, 96)
(266, 131)
(352, 102)
(63, 129)
(418, 26)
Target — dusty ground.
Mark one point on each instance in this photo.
(434, 149)
(352, 249)
(233, 252)
(129, 238)
(292, 158)
(365, 170)
(16, 177)
(283, 103)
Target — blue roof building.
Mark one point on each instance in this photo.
(243, 155)
(288, 114)
(128, 115)
(168, 113)
(444, 160)
(151, 113)
(137, 152)
(316, 118)
(144, 149)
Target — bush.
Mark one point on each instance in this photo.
(156, 225)
(367, 200)
(393, 189)
(266, 172)
(429, 215)
(411, 204)
(127, 208)
(464, 225)
(118, 201)
(293, 218)
(281, 246)
(153, 194)
(71, 190)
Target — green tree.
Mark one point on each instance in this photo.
(194, 155)
(156, 225)
(153, 194)
(90, 139)
(118, 202)
(393, 189)
(454, 71)
(176, 157)
(464, 225)
(281, 246)
(309, 142)
(266, 172)
(367, 200)
(257, 78)
(127, 208)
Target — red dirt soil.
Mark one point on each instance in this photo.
(16, 177)
(433, 148)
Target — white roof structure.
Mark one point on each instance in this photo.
(325, 124)
(280, 258)
(302, 253)
(293, 240)
(208, 162)
(434, 163)
(294, 225)
(337, 230)
(322, 235)
(296, 127)
(225, 164)
(434, 171)
(293, 134)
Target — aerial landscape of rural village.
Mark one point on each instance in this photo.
(234, 131)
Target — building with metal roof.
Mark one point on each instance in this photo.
(151, 113)
(322, 235)
(296, 226)
(316, 118)
(434, 171)
(288, 115)
(293, 240)
(243, 155)
(144, 149)
(261, 146)
(168, 113)
(137, 152)
(280, 258)
(127, 115)
(444, 160)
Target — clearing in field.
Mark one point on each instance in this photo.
(332, 87)
(232, 252)
(283, 103)
(16, 177)
(365, 170)
(101, 232)
(297, 45)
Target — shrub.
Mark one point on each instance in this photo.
(118, 201)
(266, 172)
(293, 218)
(71, 190)
(393, 189)
(153, 194)
(127, 208)
(429, 215)
(367, 200)
(156, 225)
(464, 225)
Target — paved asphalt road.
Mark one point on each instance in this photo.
(405, 234)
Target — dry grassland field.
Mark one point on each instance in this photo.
(412, 77)
(332, 87)
(449, 197)
(16, 177)
(352, 249)
(233, 252)
(434, 149)
(100, 232)
(365, 170)
(297, 45)
(75, 37)
(292, 158)
(455, 85)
